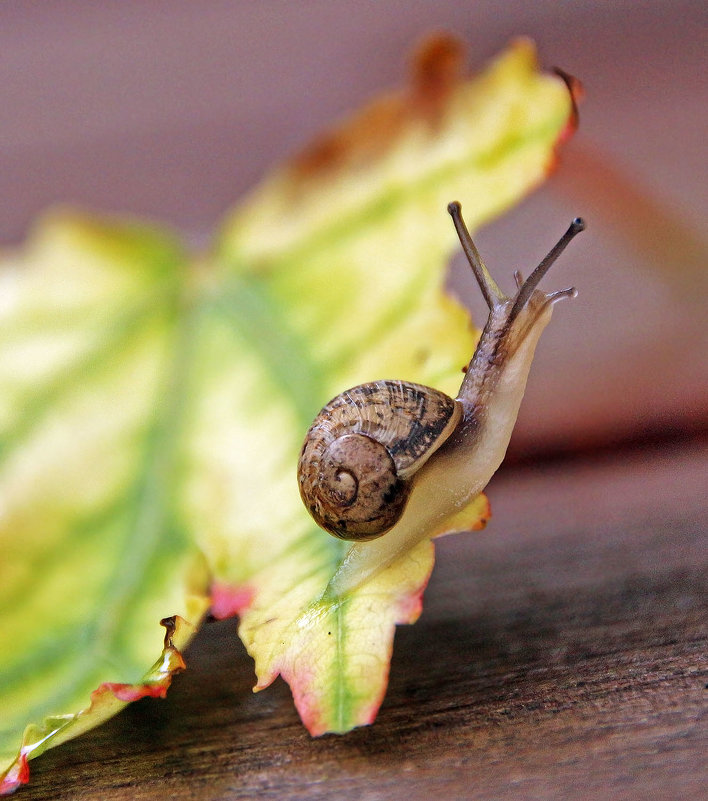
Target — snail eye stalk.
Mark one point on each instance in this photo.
(526, 289)
(492, 294)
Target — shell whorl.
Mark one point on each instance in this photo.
(362, 449)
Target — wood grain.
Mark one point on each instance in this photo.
(561, 655)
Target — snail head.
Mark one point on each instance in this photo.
(528, 303)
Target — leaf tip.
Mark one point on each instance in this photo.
(576, 93)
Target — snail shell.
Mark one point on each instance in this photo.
(363, 449)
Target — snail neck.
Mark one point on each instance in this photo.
(493, 387)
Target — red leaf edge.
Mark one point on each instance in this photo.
(170, 663)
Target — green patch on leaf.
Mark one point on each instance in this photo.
(92, 364)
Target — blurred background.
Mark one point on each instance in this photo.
(171, 109)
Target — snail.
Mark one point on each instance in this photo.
(390, 460)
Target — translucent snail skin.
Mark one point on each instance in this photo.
(385, 464)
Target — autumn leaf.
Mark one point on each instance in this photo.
(356, 231)
(153, 404)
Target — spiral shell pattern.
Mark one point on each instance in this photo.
(362, 450)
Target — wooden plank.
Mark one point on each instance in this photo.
(561, 655)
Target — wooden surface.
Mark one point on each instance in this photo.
(561, 655)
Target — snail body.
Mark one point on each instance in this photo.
(389, 461)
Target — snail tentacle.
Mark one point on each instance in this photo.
(530, 284)
(492, 294)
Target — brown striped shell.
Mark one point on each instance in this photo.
(362, 450)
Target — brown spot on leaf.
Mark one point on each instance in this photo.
(361, 139)
(486, 515)
(436, 69)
